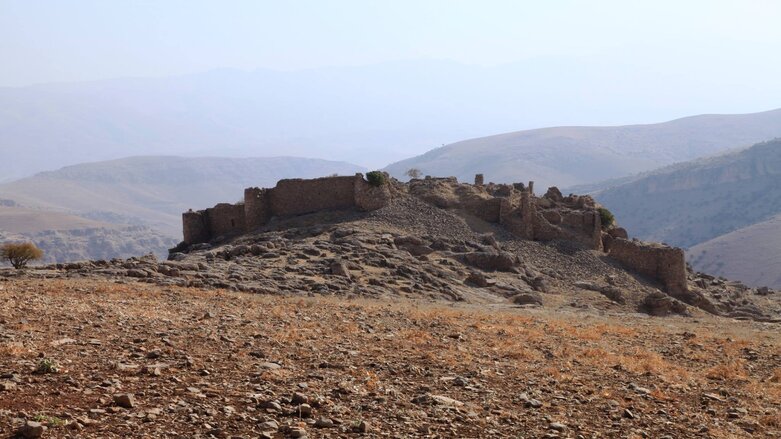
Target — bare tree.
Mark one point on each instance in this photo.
(413, 173)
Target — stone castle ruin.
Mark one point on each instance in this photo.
(513, 206)
(289, 197)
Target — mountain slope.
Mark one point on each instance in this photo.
(14, 219)
(154, 191)
(724, 208)
(567, 156)
(65, 238)
(751, 254)
(696, 201)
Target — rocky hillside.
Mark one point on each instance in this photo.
(568, 156)
(413, 250)
(698, 201)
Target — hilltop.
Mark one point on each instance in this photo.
(132, 206)
(433, 239)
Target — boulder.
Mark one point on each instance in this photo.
(125, 400)
(660, 304)
(479, 280)
(491, 261)
(527, 298)
(338, 268)
(31, 430)
(618, 232)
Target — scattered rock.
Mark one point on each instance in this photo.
(125, 400)
(558, 426)
(660, 304)
(527, 298)
(31, 430)
(324, 423)
(338, 268)
(297, 432)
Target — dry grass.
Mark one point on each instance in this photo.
(734, 370)
(12, 349)
(370, 359)
(771, 421)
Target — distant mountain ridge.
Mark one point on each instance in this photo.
(569, 156)
(133, 206)
(371, 114)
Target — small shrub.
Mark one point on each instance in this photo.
(19, 254)
(51, 421)
(375, 178)
(47, 366)
(606, 218)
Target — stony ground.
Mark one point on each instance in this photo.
(94, 358)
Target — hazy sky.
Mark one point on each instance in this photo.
(46, 41)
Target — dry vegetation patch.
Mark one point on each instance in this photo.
(224, 364)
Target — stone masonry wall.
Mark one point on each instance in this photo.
(288, 197)
(299, 196)
(225, 219)
(257, 208)
(666, 264)
(368, 197)
(195, 227)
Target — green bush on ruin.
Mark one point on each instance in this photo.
(375, 178)
(606, 218)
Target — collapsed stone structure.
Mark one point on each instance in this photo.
(513, 206)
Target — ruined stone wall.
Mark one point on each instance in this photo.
(487, 209)
(257, 207)
(368, 197)
(195, 227)
(299, 196)
(572, 219)
(516, 214)
(528, 213)
(663, 263)
(225, 219)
